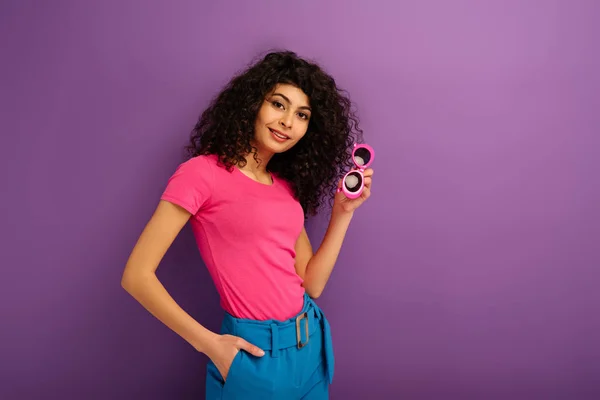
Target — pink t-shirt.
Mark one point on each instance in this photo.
(246, 232)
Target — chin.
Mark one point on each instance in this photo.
(278, 149)
(275, 147)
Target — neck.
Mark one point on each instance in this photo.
(260, 166)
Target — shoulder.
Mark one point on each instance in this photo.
(192, 184)
(198, 165)
(196, 169)
(201, 161)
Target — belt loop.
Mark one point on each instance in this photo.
(274, 341)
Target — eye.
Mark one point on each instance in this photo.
(303, 115)
(277, 104)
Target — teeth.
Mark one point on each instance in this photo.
(279, 135)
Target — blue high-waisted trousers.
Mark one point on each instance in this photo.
(295, 365)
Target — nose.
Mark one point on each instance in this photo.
(286, 121)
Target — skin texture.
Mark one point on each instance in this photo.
(287, 109)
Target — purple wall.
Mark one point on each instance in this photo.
(478, 279)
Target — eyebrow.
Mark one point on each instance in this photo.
(288, 100)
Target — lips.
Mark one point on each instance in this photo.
(279, 135)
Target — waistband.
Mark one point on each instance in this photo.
(278, 335)
(273, 335)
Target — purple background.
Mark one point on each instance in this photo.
(479, 277)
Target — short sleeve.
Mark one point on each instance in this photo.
(191, 184)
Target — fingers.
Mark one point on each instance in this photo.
(368, 179)
(250, 348)
(366, 193)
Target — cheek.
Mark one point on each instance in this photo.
(268, 115)
(260, 118)
(264, 115)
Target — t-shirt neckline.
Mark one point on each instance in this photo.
(255, 182)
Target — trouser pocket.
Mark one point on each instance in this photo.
(234, 374)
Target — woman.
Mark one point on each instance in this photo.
(265, 154)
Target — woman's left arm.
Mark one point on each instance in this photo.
(315, 269)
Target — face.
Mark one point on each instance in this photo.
(282, 119)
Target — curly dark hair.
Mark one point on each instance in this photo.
(315, 164)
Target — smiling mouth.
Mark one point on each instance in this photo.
(279, 134)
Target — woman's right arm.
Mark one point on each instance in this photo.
(140, 281)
